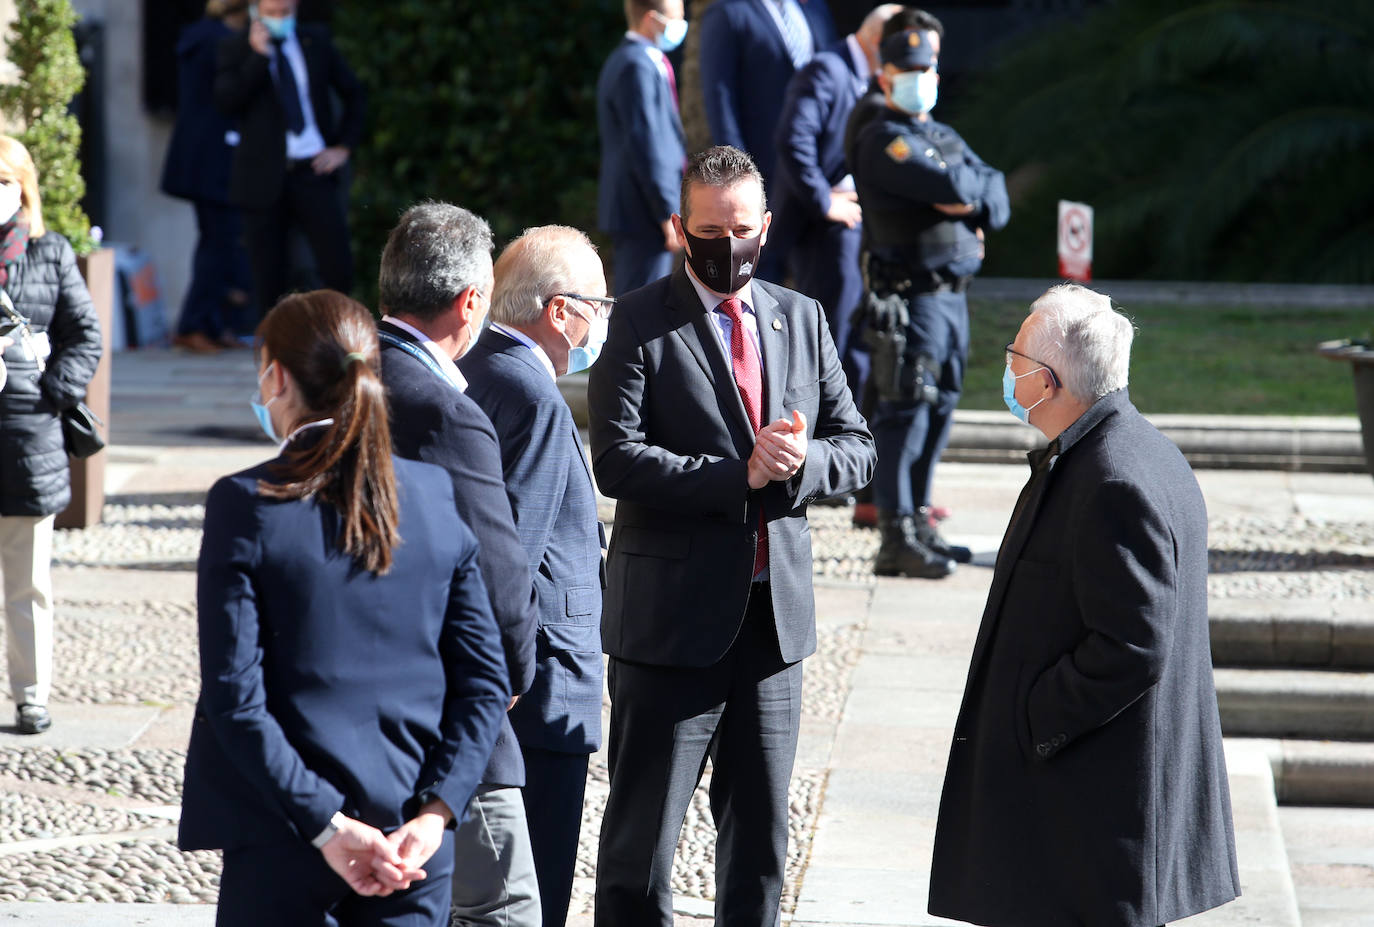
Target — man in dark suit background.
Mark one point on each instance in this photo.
(749, 51)
(643, 147)
(718, 412)
(279, 80)
(814, 203)
(435, 283)
(548, 313)
(1086, 781)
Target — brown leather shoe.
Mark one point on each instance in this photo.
(196, 343)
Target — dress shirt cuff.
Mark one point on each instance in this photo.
(329, 831)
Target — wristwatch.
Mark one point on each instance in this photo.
(329, 831)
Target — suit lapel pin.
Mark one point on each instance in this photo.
(777, 325)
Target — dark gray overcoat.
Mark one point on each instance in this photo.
(1086, 782)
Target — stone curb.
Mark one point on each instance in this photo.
(1292, 632)
(1296, 703)
(1185, 292)
(1319, 772)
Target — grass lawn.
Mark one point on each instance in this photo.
(1201, 359)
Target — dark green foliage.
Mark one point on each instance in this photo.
(488, 104)
(1219, 360)
(1224, 139)
(50, 74)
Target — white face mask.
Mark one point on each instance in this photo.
(11, 198)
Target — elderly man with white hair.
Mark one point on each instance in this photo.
(1086, 781)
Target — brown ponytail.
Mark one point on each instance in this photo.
(328, 343)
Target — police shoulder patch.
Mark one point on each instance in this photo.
(899, 149)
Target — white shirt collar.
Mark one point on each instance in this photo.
(322, 423)
(445, 362)
(528, 342)
(711, 299)
(860, 59)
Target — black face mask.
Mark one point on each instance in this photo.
(724, 264)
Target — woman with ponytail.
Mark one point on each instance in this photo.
(352, 679)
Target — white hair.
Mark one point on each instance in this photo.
(1083, 339)
(543, 262)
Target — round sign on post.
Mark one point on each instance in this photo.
(1075, 240)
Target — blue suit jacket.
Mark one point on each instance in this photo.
(810, 132)
(198, 157)
(433, 422)
(642, 144)
(550, 486)
(745, 69)
(324, 687)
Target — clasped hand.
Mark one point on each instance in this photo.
(373, 863)
(779, 451)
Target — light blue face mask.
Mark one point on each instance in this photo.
(674, 31)
(260, 409)
(582, 357)
(279, 27)
(916, 91)
(1009, 394)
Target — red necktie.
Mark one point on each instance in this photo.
(672, 78)
(749, 379)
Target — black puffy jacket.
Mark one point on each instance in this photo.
(47, 288)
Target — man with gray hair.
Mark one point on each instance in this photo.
(549, 312)
(1086, 781)
(435, 284)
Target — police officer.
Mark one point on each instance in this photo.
(926, 201)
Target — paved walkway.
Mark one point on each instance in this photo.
(87, 810)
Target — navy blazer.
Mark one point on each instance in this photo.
(198, 156)
(643, 146)
(326, 688)
(745, 69)
(549, 483)
(671, 440)
(1086, 781)
(433, 422)
(810, 132)
(244, 89)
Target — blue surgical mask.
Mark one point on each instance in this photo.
(279, 27)
(674, 31)
(260, 409)
(916, 91)
(582, 357)
(1009, 394)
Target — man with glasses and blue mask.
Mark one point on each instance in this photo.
(927, 200)
(643, 146)
(1086, 781)
(549, 313)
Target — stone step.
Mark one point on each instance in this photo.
(1322, 772)
(1299, 704)
(1335, 634)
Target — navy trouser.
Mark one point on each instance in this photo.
(825, 266)
(555, 786)
(290, 885)
(220, 264)
(639, 261)
(910, 436)
(745, 713)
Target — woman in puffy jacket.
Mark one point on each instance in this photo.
(49, 363)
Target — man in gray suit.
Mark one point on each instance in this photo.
(1086, 782)
(718, 412)
(549, 310)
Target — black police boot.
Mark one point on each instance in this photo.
(930, 536)
(902, 554)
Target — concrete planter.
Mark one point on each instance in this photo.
(1361, 360)
(88, 475)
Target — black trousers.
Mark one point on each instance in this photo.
(313, 204)
(555, 786)
(290, 885)
(744, 713)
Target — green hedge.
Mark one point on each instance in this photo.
(490, 105)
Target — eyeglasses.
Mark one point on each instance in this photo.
(601, 305)
(1010, 351)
